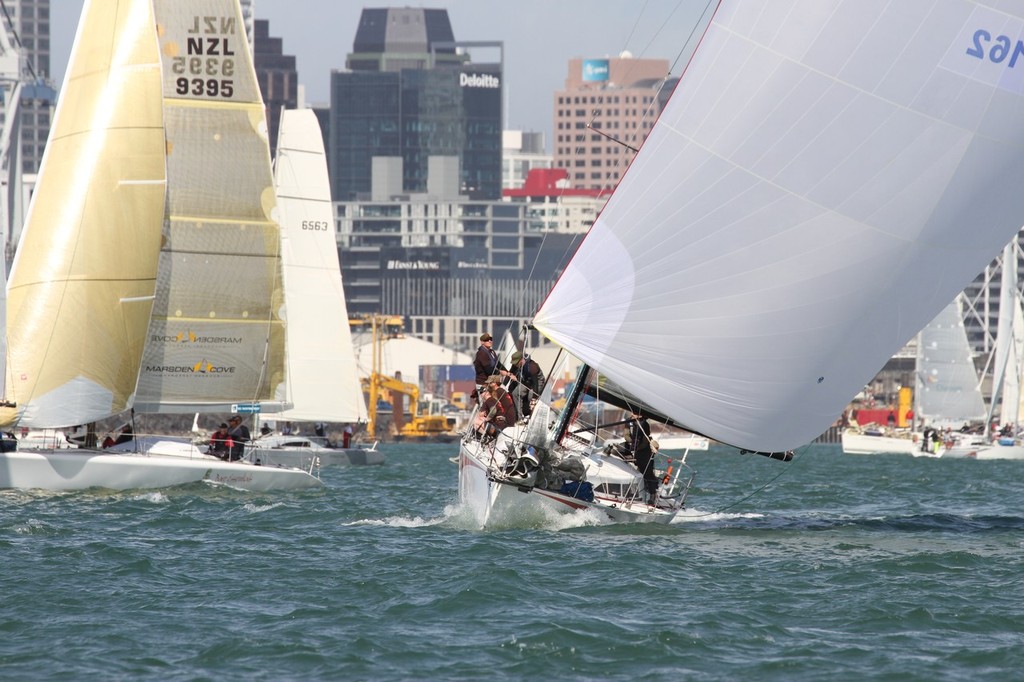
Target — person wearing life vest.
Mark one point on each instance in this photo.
(220, 442)
(485, 362)
(639, 439)
(498, 409)
(239, 434)
(528, 380)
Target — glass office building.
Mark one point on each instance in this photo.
(411, 93)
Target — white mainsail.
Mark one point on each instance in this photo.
(1006, 375)
(81, 286)
(323, 376)
(948, 392)
(217, 335)
(825, 178)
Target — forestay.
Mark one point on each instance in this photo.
(826, 177)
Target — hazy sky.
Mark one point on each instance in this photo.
(539, 36)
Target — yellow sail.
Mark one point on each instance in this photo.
(81, 286)
(216, 336)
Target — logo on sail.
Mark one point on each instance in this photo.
(204, 366)
(191, 337)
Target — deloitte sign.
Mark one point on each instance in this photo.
(479, 80)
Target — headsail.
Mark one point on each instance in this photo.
(825, 178)
(217, 335)
(85, 269)
(321, 360)
(947, 387)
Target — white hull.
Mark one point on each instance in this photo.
(986, 452)
(306, 453)
(79, 469)
(1000, 452)
(304, 457)
(494, 500)
(855, 443)
(673, 443)
(682, 443)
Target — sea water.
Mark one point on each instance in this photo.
(832, 567)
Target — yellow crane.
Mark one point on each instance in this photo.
(419, 426)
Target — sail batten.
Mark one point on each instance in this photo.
(800, 210)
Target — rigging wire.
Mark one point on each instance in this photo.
(590, 126)
(757, 490)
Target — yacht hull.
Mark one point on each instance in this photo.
(493, 500)
(304, 457)
(867, 444)
(80, 469)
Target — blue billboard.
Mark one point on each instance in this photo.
(595, 69)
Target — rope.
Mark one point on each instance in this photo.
(758, 490)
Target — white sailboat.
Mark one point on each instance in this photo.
(825, 178)
(155, 175)
(323, 378)
(1006, 376)
(947, 392)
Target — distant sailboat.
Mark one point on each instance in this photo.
(824, 179)
(1006, 375)
(148, 272)
(323, 379)
(947, 392)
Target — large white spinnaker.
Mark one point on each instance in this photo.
(825, 178)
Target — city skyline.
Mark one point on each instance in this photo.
(539, 40)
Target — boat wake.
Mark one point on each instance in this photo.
(687, 516)
(254, 508)
(398, 522)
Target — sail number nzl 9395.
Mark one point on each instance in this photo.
(996, 50)
(208, 67)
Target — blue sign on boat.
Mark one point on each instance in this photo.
(246, 408)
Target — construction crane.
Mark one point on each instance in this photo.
(420, 426)
(14, 69)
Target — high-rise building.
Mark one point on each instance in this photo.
(29, 32)
(521, 152)
(411, 93)
(248, 17)
(277, 76)
(604, 113)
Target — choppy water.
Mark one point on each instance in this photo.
(842, 567)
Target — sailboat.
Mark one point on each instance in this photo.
(323, 378)
(154, 175)
(947, 392)
(824, 179)
(1006, 375)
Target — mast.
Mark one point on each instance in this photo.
(572, 401)
(1004, 332)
